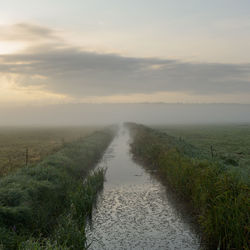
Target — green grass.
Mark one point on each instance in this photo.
(219, 197)
(230, 143)
(33, 198)
(70, 230)
(40, 143)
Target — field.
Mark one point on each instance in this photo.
(44, 206)
(219, 196)
(227, 143)
(39, 142)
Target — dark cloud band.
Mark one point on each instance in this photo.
(72, 71)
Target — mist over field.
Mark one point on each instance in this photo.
(124, 124)
(92, 114)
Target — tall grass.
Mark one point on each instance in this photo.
(219, 197)
(32, 199)
(70, 230)
(227, 143)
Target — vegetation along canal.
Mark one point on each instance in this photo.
(134, 210)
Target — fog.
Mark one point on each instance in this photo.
(102, 114)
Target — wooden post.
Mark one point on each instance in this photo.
(27, 156)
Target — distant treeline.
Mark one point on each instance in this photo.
(45, 206)
(219, 197)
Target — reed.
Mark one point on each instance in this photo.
(32, 199)
(70, 230)
(219, 197)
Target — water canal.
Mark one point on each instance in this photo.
(134, 211)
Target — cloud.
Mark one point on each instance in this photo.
(26, 32)
(70, 70)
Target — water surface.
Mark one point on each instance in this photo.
(134, 211)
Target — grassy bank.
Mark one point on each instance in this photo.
(32, 199)
(228, 143)
(219, 197)
(69, 232)
(38, 142)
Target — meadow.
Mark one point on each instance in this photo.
(45, 205)
(227, 143)
(219, 197)
(38, 142)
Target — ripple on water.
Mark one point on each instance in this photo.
(136, 216)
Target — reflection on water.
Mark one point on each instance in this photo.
(133, 211)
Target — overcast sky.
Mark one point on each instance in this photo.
(99, 51)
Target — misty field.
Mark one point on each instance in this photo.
(39, 142)
(216, 186)
(229, 144)
(45, 205)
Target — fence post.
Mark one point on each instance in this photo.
(27, 156)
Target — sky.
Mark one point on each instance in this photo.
(116, 51)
